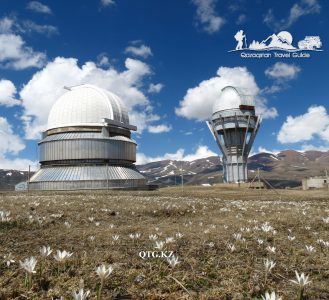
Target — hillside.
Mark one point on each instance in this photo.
(287, 168)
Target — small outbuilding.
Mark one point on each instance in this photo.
(316, 182)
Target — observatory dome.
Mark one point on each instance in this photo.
(87, 144)
(86, 105)
(229, 98)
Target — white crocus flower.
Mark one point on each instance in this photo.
(29, 264)
(80, 295)
(45, 251)
(269, 265)
(301, 279)
(62, 255)
(67, 224)
(271, 296)
(173, 261)
(159, 245)
(271, 249)
(310, 249)
(115, 237)
(211, 244)
(153, 237)
(260, 241)
(104, 271)
(169, 240)
(9, 259)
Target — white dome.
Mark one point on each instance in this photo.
(228, 99)
(86, 105)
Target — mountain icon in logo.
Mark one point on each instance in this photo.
(281, 41)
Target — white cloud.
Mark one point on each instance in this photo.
(10, 142)
(314, 123)
(201, 152)
(302, 8)
(20, 164)
(28, 26)
(282, 71)
(159, 128)
(7, 93)
(241, 19)
(155, 88)
(39, 7)
(141, 50)
(14, 54)
(14, 25)
(198, 101)
(273, 89)
(206, 16)
(264, 150)
(47, 85)
(6, 25)
(103, 60)
(309, 147)
(107, 2)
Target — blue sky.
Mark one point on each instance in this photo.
(168, 60)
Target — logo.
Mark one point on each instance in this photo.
(155, 254)
(276, 45)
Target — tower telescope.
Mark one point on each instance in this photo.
(234, 125)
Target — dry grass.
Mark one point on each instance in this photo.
(208, 218)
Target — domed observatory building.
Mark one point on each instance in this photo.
(87, 144)
(234, 125)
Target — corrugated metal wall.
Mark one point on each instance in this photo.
(70, 146)
(86, 177)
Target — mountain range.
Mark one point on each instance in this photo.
(284, 169)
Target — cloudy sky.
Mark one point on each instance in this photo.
(168, 61)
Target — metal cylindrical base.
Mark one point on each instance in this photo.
(86, 177)
(235, 172)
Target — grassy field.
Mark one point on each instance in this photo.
(221, 238)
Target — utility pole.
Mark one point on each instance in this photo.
(182, 176)
(28, 180)
(107, 176)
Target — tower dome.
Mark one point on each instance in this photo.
(86, 105)
(231, 98)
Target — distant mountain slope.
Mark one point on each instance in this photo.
(9, 178)
(287, 168)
